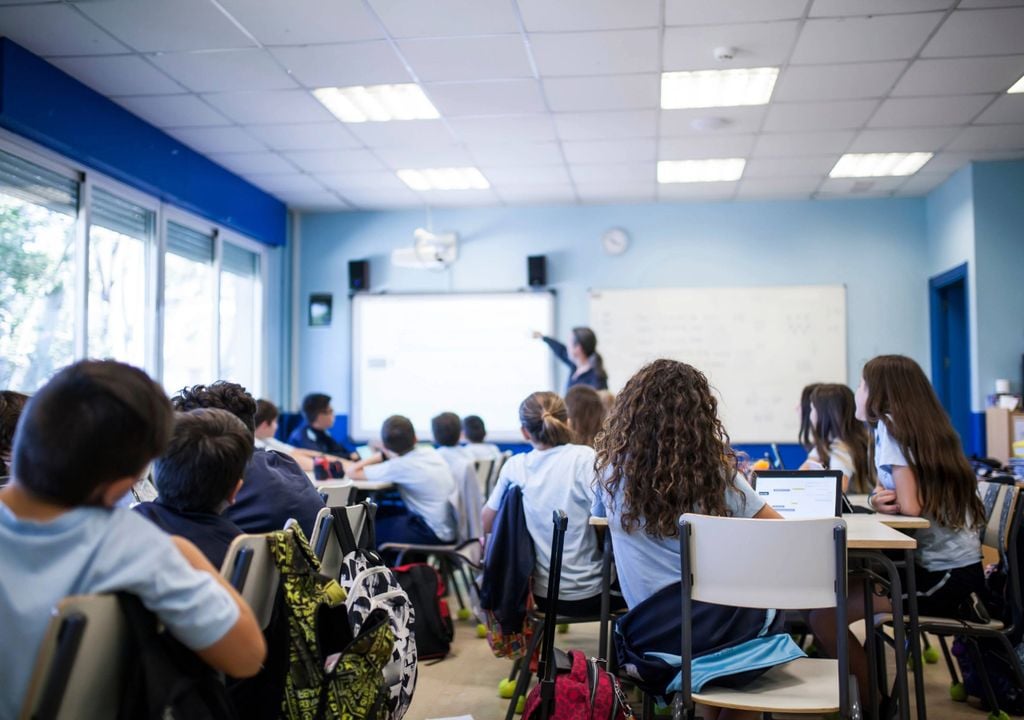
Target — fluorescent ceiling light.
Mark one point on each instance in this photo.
(691, 171)
(377, 103)
(457, 178)
(854, 165)
(717, 88)
(1018, 87)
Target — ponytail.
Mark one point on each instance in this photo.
(544, 417)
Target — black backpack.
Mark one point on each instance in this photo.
(432, 627)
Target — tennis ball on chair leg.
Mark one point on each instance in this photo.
(481, 630)
(930, 655)
(563, 628)
(463, 613)
(958, 692)
(521, 705)
(506, 687)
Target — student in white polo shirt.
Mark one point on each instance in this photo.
(555, 475)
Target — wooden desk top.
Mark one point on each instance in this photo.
(903, 522)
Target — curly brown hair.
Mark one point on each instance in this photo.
(222, 395)
(665, 446)
(11, 405)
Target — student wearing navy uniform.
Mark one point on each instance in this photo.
(313, 433)
(581, 356)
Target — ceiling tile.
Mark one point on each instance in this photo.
(960, 76)
(159, 26)
(293, 183)
(270, 107)
(415, 18)
(785, 167)
(606, 125)
(745, 119)
(704, 147)
(804, 143)
(380, 200)
(335, 161)
(837, 82)
(968, 4)
(497, 129)
(422, 157)
(881, 37)
(460, 198)
(322, 201)
(569, 15)
(836, 115)
(596, 53)
(305, 22)
(227, 139)
(611, 151)
(705, 192)
(1006, 109)
(928, 139)
(857, 186)
(308, 136)
(537, 195)
(921, 183)
(929, 111)
(613, 174)
(375, 181)
(511, 154)
(118, 75)
(172, 110)
(362, 63)
(979, 32)
(613, 92)
(56, 30)
(512, 176)
(612, 194)
(990, 137)
(225, 71)
(486, 98)
(844, 8)
(779, 188)
(949, 161)
(758, 45)
(424, 133)
(720, 12)
(255, 163)
(468, 58)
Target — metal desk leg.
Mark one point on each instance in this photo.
(915, 638)
(870, 649)
(606, 599)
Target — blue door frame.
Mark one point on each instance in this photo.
(950, 350)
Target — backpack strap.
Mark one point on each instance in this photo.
(343, 529)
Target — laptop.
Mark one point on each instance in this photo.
(365, 452)
(801, 494)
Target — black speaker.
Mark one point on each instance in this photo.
(537, 270)
(358, 275)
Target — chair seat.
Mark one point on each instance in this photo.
(802, 686)
(425, 549)
(937, 624)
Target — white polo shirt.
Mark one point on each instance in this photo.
(426, 485)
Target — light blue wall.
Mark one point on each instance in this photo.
(877, 248)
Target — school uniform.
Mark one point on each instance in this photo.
(272, 443)
(589, 377)
(839, 458)
(482, 451)
(309, 438)
(468, 496)
(211, 532)
(274, 490)
(426, 485)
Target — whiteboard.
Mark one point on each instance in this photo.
(758, 346)
(468, 353)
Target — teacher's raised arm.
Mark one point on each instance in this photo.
(581, 356)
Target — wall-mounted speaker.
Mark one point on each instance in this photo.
(537, 270)
(358, 275)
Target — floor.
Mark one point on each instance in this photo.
(466, 682)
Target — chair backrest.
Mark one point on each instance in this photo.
(336, 493)
(752, 563)
(1000, 502)
(483, 472)
(325, 544)
(90, 628)
(250, 569)
(496, 471)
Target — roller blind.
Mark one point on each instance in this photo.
(38, 185)
(189, 243)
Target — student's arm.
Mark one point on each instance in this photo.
(487, 519)
(354, 470)
(906, 500)
(241, 651)
(767, 512)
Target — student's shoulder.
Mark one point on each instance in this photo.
(130, 533)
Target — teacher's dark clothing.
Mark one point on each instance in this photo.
(590, 377)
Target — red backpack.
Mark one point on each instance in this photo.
(584, 690)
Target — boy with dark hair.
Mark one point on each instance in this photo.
(423, 480)
(275, 488)
(198, 476)
(11, 405)
(266, 429)
(314, 432)
(475, 432)
(447, 430)
(84, 439)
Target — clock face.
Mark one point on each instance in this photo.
(615, 241)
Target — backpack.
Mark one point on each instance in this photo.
(510, 645)
(433, 628)
(333, 672)
(370, 585)
(166, 680)
(583, 689)
(1008, 694)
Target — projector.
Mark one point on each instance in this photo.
(430, 251)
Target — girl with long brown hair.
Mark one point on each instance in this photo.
(804, 436)
(840, 441)
(586, 413)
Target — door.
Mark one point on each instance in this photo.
(951, 370)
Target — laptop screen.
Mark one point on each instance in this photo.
(801, 494)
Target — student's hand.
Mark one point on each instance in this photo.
(537, 334)
(886, 501)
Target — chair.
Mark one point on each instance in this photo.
(336, 493)
(766, 575)
(483, 468)
(249, 568)
(495, 472)
(90, 627)
(325, 542)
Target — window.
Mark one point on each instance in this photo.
(38, 208)
(189, 309)
(119, 242)
(241, 295)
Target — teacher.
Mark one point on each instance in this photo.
(581, 356)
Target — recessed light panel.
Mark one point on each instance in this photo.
(854, 165)
(717, 88)
(694, 171)
(377, 103)
(1018, 87)
(458, 178)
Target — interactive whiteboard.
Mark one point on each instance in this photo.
(758, 346)
(471, 354)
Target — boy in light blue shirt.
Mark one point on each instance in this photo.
(82, 442)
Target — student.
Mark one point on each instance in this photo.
(555, 475)
(275, 488)
(840, 440)
(922, 472)
(475, 432)
(424, 481)
(665, 452)
(586, 413)
(585, 364)
(266, 428)
(804, 436)
(198, 476)
(11, 405)
(447, 429)
(84, 438)
(313, 433)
